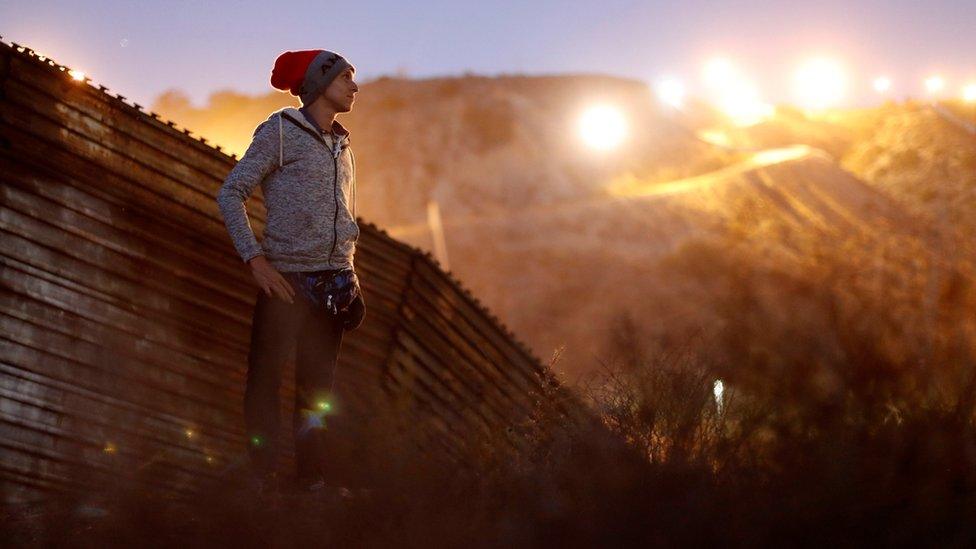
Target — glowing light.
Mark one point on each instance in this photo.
(934, 84)
(741, 103)
(820, 83)
(671, 92)
(109, 448)
(778, 156)
(323, 405)
(77, 75)
(882, 84)
(969, 93)
(189, 433)
(734, 94)
(210, 459)
(256, 440)
(715, 137)
(718, 389)
(718, 71)
(603, 127)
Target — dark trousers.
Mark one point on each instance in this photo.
(316, 335)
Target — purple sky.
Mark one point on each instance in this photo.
(140, 49)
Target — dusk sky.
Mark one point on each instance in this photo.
(140, 49)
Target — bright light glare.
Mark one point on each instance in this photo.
(715, 137)
(77, 75)
(718, 71)
(778, 156)
(882, 84)
(672, 92)
(603, 127)
(734, 94)
(718, 389)
(820, 83)
(969, 93)
(741, 102)
(934, 84)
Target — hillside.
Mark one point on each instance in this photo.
(581, 266)
(923, 160)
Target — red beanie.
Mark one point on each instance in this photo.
(289, 69)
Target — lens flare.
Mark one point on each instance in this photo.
(603, 127)
(820, 83)
(882, 84)
(76, 75)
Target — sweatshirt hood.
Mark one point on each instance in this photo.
(298, 116)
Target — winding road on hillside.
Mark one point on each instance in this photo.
(756, 161)
(954, 119)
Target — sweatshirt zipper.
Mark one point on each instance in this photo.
(335, 200)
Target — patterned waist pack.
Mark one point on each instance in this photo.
(332, 290)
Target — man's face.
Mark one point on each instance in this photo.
(342, 91)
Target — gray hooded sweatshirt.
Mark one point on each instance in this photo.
(308, 181)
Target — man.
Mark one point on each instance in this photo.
(302, 160)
